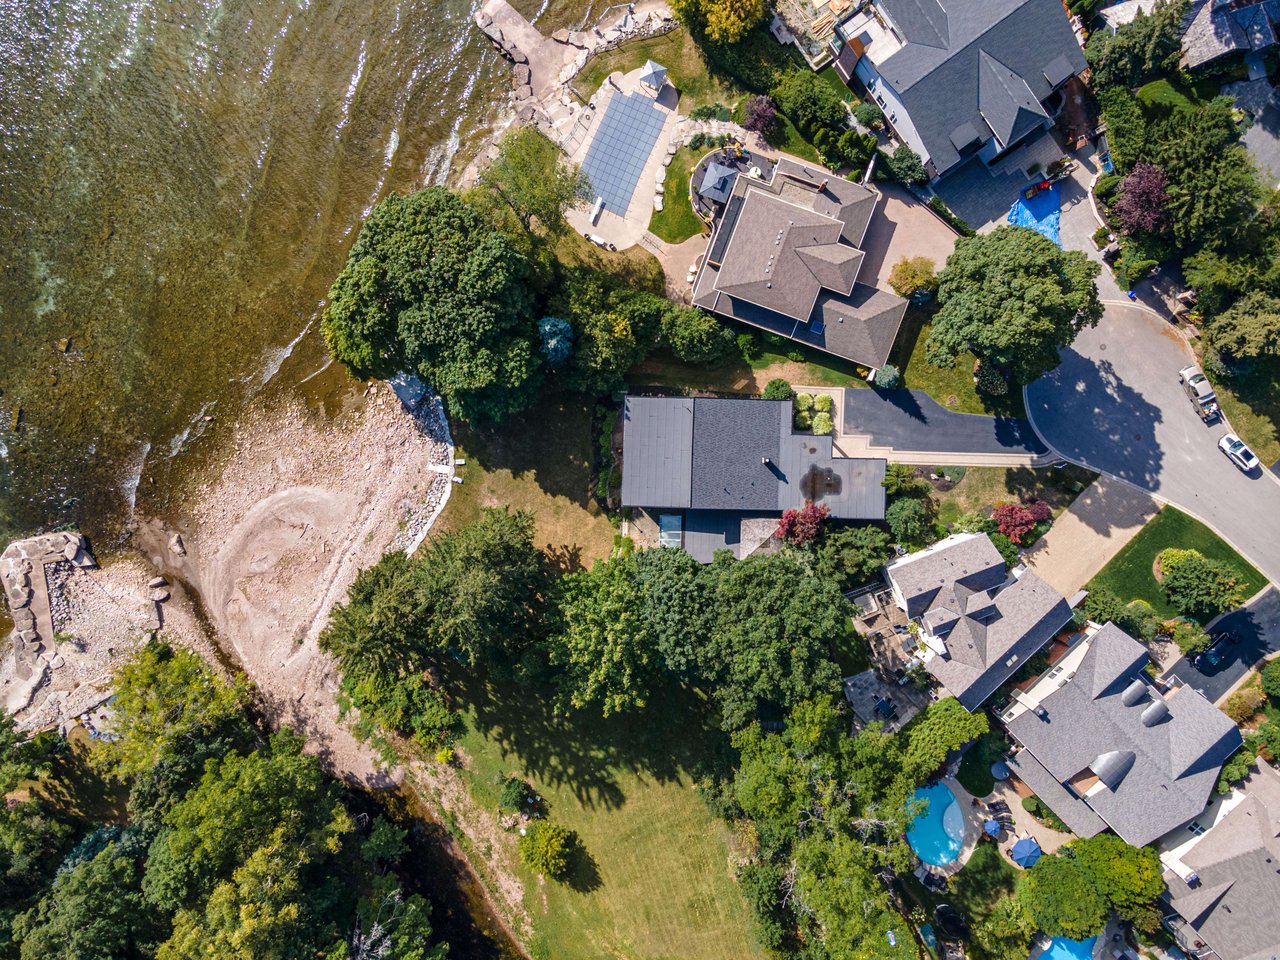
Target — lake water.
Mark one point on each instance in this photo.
(179, 184)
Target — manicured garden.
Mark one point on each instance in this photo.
(1130, 574)
(980, 488)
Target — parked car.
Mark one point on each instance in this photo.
(1238, 453)
(1216, 652)
(1200, 392)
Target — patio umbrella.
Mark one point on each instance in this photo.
(992, 828)
(1000, 770)
(1025, 852)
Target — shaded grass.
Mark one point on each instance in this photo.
(676, 221)
(653, 879)
(832, 79)
(975, 767)
(687, 69)
(736, 375)
(540, 461)
(1130, 576)
(1162, 97)
(984, 487)
(787, 138)
(974, 890)
(634, 266)
(953, 386)
(76, 789)
(1252, 405)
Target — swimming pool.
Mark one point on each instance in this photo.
(937, 834)
(1060, 948)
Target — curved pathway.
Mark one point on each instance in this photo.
(1115, 405)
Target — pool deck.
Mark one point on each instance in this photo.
(972, 833)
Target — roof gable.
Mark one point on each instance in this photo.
(1005, 101)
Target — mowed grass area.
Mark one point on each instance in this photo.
(1163, 97)
(975, 889)
(654, 879)
(984, 487)
(975, 766)
(676, 221)
(733, 374)
(1252, 405)
(540, 461)
(1130, 574)
(686, 65)
(953, 386)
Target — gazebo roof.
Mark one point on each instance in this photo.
(717, 182)
(654, 74)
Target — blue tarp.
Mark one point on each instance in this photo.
(1041, 213)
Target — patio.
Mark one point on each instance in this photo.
(877, 699)
(733, 157)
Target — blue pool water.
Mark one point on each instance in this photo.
(937, 834)
(1060, 948)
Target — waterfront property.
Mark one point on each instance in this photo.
(787, 255)
(969, 78)
(715, 473)
(1223, 875)
(1106, 747)
(978, 623)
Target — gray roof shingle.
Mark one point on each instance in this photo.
(657, 437)
(1238, 865)
(1163, 764)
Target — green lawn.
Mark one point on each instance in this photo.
(952, 386)
(1163, 97)
(654, 881)
(788, 139)
(686, 68)
(974, 890)
(1252, 405)
(832, 79)
(975, 767)
(676, 221)
(735, 375)
(983, 487)
(1130, 574)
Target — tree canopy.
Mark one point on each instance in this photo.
(429, 285)
(1148, 45)
(1070, 893)
(1013, 298)
(724, 21)
(1198, 586)
(531, 178)
(1249, 329)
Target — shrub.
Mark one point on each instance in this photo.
(1143, 620)
(1038, 809)
(545, 848)
(908, 521)
(557, 340)
(1271, 679)
(906, 166)
(708, 111)
(777, 389)
(1014, 520)
(760, 115)
(913, 275)
(802, 419)
(445, 756)
(804, 401)
(1040, 511)
(1188, 637)
(822, 425)
(869, 115)
(1107, 185)
(887, 377)
(1101, 237)
(1243, 704)
(975, 523)
(697, 141)
(748, 346)
(938, 206)
(1007, 549)
(809, 102)
(822, 403)
(991, 381)
(801, 528)
(1198, 586)
(514, 794)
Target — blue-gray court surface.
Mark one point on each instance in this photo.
(621, 147)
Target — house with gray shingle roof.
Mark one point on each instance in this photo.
(786, 257)
(964, 78)
(1214, 28)
(1223, 879)
(1105, 746)
(716, 473)
(978, 623)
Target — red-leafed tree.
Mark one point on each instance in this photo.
(800, 528)
(1014, 520)
(760, 115)
(1143, 199)
(1040, 511)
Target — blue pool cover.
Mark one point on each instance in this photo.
(1042, 213)
(621, 147)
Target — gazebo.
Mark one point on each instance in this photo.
(717, 182)
(653, 75)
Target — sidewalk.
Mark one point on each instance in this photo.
(1089, 533)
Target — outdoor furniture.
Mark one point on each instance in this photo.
(1000, 770)
(1026, 852)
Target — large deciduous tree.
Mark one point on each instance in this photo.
(1144, 199)
(531, 179)
(1198, 586)
(431, 286)
(1249, 329)
(1013, 298)
(809, 103)
(1061, 897)
(852, 556)
(724, 21)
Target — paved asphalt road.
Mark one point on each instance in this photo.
(1258, 628)
(1115, 405)
(912, 420)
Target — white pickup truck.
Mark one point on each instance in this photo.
(1200, 392)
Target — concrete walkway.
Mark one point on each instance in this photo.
(1089, 533)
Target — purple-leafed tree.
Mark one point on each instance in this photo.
(1143, 199)
(760, 115)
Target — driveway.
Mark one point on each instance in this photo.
(912, 420)
(1116, 406)
(1257, 625)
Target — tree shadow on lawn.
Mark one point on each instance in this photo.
(581, 751)
(583, 875)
